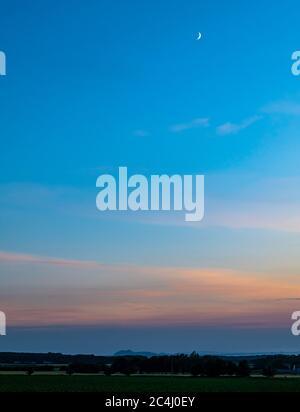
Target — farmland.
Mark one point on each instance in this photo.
(144, 384)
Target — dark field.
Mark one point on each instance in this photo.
(85, 383)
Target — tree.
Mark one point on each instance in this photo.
(126, 365)
(29, 371)
(70, 370)
(231, 368)
(243, 369)
(213, 366)
(129, 370)
(196, 369)
(107, 370)
(269, 371)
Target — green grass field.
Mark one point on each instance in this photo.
(81, 383)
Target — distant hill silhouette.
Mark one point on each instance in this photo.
(129, 352)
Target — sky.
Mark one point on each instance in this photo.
(93, 86)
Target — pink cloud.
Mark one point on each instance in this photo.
(149, 295)
(24, 258)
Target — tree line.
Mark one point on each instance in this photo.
(193, 364)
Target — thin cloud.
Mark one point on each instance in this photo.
(234, 128)
(141, 133)
(181, 127)
(149, 295)
(285, 107)
(27, 258)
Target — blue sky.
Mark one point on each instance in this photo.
(83, 79)
(91, 87)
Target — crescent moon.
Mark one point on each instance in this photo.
(199, 36)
